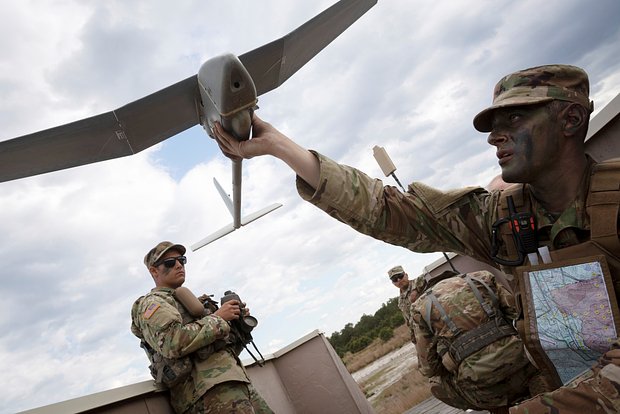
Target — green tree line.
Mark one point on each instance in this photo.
(354, 338)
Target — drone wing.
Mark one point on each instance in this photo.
(124, 131)
(272, 64)
(156, 117)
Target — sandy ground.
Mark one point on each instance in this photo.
(385, 371)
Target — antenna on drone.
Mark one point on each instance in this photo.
(385, 162)
(388, 168)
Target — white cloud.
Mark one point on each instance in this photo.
(408, 76)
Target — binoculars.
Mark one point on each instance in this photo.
(245, 322)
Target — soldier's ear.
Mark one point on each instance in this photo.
(574, 119)
(153, 272)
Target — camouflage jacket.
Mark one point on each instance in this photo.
(425, 219)
(500, 358)
(404, 302)
(169, 329)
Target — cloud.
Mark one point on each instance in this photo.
(408, 76)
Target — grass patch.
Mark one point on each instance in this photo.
(378, 348)
(399, 397)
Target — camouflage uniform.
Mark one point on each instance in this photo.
(218, 382)
(406, 296)
(426, 219)
(231, 397)
(497, 374)
(405, 300)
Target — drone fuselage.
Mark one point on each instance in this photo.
(228, 95)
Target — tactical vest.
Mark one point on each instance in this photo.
(602, 207)
(466, 343)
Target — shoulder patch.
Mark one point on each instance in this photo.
(151, 310)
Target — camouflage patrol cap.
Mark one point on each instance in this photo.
(537, 85)
(396, 270)
(158, 251)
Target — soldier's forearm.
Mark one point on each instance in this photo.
(301, 161)
(180, 340)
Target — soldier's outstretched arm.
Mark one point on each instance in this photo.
(267, 140)
(423, 219)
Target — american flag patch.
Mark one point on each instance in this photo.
(151, 310)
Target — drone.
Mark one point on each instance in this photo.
(225, 90)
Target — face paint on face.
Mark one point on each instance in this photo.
(526, 140)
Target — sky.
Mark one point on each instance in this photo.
(408, 76)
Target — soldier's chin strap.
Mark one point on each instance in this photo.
(524, 235)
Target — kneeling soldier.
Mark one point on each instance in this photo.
(467, 345)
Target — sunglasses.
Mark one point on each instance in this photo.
(397, 277)
(171, 261)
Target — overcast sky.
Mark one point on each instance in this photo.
(409, 76)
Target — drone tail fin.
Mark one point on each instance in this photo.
(225, 198)
(242, 221)
(231, 227)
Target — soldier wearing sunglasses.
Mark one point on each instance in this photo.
(408, 293)
(188, 354)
